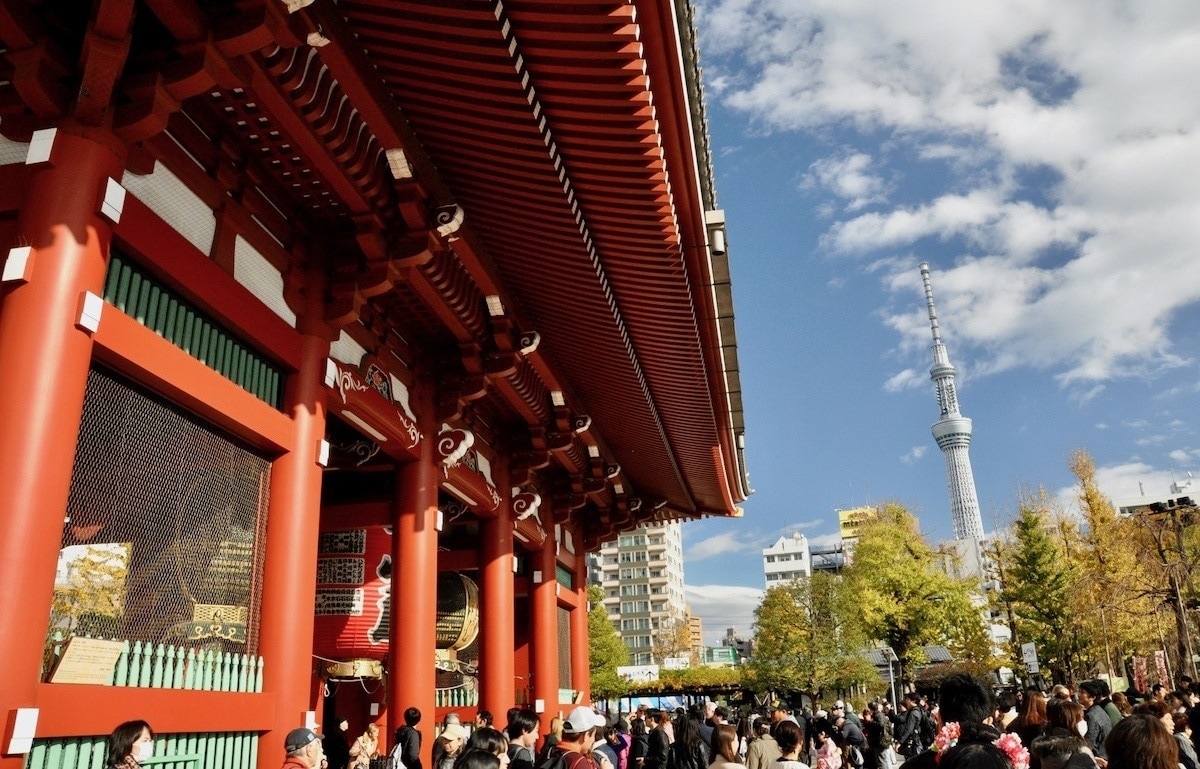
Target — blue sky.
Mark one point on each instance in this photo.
(1042, 157)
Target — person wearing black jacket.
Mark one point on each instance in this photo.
(639, 743)
(407, 744)
(909, 734)
(658, 744)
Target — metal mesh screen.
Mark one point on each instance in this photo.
(164, 534)
(564, 648)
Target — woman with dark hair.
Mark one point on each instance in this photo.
(1140, 741)
(1066, 715)
(639, 742)
(1121, 700)
(725, 747)
(790, 738)
(130, 745)
(477, 758)
(974, 755)
(688, 751)
(1030, 722)
(491, 740)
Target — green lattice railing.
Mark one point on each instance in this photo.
(163, 666)
(231, 750)
(157, 307)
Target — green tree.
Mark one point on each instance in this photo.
(1039, 582)
(808, 636)
(906, 597)
(606, 651)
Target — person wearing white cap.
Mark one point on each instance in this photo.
(578, 739)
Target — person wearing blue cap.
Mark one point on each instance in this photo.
(303, 749)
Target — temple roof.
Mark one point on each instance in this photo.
(558, 149)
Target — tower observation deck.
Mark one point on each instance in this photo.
(952, 431)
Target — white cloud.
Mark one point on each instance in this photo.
(1067, 135)
(723, 606)
(913, 454)
(907, 379)
(725, 543)
(847, 176)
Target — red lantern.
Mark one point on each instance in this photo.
(354, 584)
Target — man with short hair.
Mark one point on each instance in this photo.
(909, 734)
(303, 749)
(407, 745)
(522, 731)
(658, 743)
(579, 738)
(961, 699)
(1098, 722)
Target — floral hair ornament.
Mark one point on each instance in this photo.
(1010, 744)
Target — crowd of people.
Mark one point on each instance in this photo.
(965, 726)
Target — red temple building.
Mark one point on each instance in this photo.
(333, 335)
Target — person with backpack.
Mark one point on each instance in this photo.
(909, 734)
(575, 749)
(522, 733)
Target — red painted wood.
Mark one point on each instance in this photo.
(142, 355)
(68, 710)
(293, 520)
(496, 669)
(544, 631)
(414, 619)
(47, 359)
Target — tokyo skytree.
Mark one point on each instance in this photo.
(952, 431)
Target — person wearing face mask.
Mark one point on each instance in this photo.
(130, 744)
(303, 749)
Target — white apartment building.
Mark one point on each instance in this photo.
(787, 559)
(641, 573)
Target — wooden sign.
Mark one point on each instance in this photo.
(87, 661)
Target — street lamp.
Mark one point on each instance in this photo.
(890, 655)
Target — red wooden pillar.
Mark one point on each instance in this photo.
(293, 520)
(496, 665)
(580, 669)
(413, 646)
(543, 665)
(44, 358)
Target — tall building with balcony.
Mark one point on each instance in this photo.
(786, 560)
(641, 573)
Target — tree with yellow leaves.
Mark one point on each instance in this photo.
(1115, 596)
(908, 600)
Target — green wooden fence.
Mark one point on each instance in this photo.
(154, 305)
(457, 697)
(162, 666)
(230, 750)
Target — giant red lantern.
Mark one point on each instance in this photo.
(354, 591)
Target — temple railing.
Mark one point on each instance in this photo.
(163, 666)
(230, 750)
